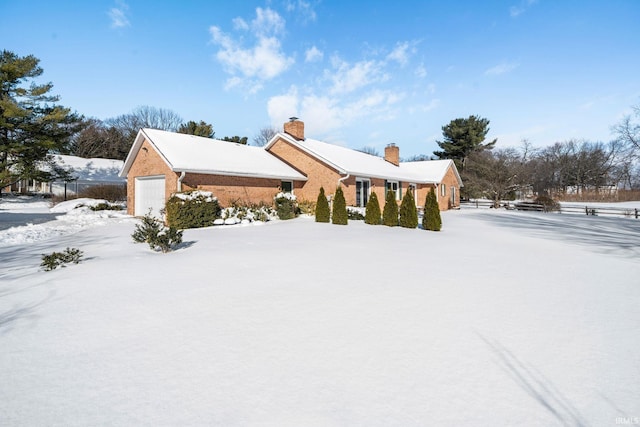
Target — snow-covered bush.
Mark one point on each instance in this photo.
(59, 259)
(355, 214)
(306, 207)
(323, 214)
(156, 234)
(192, 209)
(285, 205)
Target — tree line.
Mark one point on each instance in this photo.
(569, 167)
(33, 126)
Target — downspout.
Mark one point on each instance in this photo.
(180, 178)
(343, 178)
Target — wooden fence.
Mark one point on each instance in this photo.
(584, 209)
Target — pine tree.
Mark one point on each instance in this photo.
(431, 220)
(372, 214)
(390, 211)
(32, 127)
(339, 214)
(323, 213)
(408, 211)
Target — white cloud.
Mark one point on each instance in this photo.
(313, 54)
(281, 107)
(421, 71)
(521, 8)
(425, 108)
(400, 53)
(502, 68)
(347, 78)
(303, 9)
(118, 15)
(250, 66)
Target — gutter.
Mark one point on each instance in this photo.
(180, 178)
(343, 178)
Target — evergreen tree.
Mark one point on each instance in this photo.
(390, 211)
(323, 213)
(463, 137)
(408, 211)
(339, 214)
(431, 220)
(32, 127)
(198, 129)
(372, 214)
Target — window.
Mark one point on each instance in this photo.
(443, 190)
(362, 192)
(395, 187)
(287, 186)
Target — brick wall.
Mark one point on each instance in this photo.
(148, 163)
(232, 189)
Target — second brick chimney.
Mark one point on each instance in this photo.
(392, 154)
(295, 128)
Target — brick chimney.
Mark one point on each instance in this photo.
(295, 128)
(392, 154)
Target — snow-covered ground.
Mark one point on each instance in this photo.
(503, 318)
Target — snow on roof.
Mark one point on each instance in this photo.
(196, 154)
(356, 163)
(90, 169)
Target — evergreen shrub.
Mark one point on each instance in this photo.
(160, 238)
(390, 211)
(372, 214)
(192, 209)
(408, 211)
(323, 214)
(339, 214)
(354, 214)
(59, 259)
(431, 220)
(286, 205)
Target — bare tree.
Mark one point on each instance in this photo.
(628, 130)
(264, 136)
(494, 174)
(369, 150)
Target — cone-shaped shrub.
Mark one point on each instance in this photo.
(323, 213)
(372, 214)
(431, 220)
(408, 211)
(390, 212)
(339, 214)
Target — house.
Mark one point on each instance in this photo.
(328, 165)
(161, 163)
(80, 174)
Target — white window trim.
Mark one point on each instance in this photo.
(368, 187)
(390, 183)
(281, 186)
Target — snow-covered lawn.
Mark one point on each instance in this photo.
(503, 318)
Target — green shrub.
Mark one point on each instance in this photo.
(192, 209)
(354, 214)
(106, 207)
(339, 214)
(323, 214)
(408, 211)
(431, 219)
(59, 259)
(285, 205)
(372, 214)
(390, 211)
(154, 232)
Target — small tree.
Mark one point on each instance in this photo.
(159, 237)
(372, 214)
(408, 211)
(390, 211)
(323, 214)
(339, 214)
(431, 220)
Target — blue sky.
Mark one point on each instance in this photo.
(357, 73)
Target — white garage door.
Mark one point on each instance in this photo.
(149, 195)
